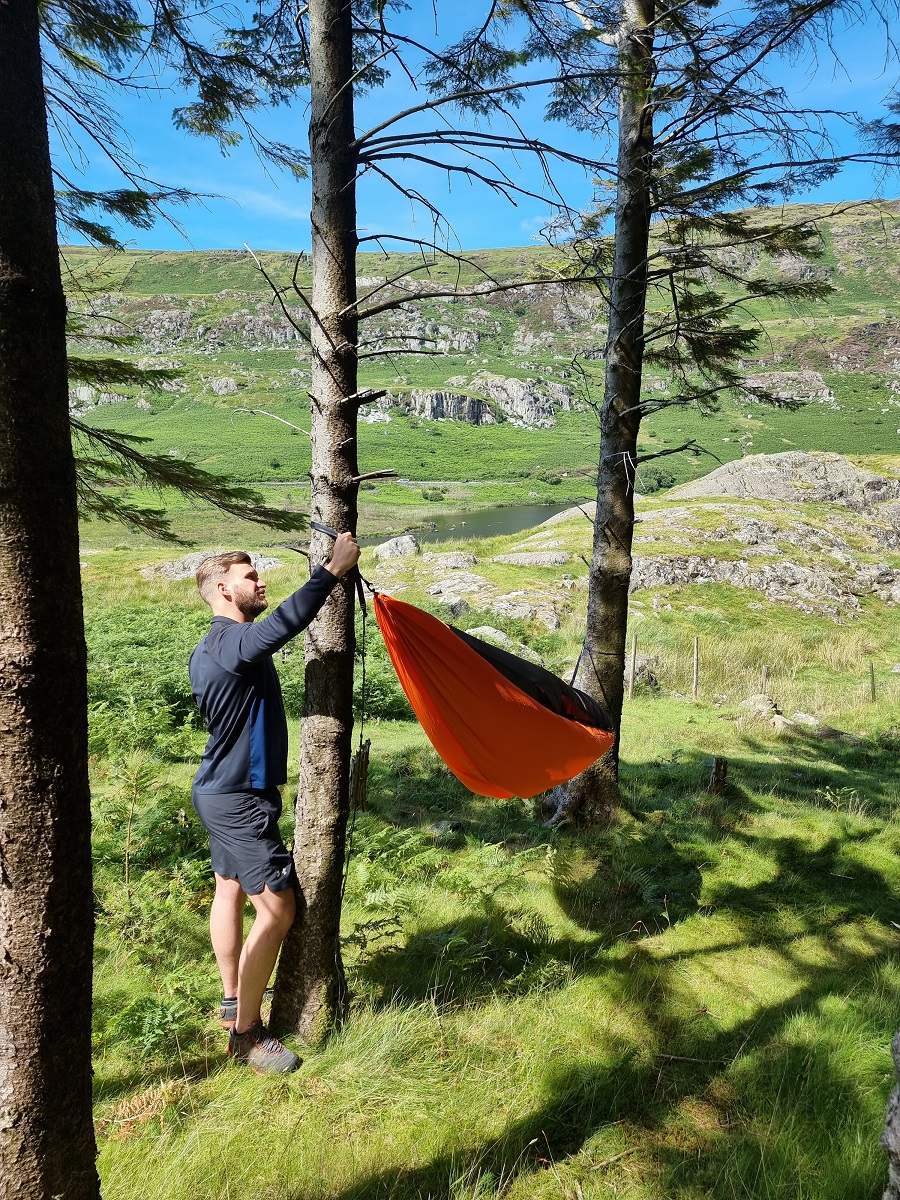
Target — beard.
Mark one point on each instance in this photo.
(250, 604)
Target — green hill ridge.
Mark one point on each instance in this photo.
(521, 372)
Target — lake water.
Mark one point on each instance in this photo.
(482, 522)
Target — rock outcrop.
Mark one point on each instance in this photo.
(549, 558)
(85, 399)
(223, 387)
(450, 406)
(398, 547)
(805, 387)
(528, 402)
(808, 589)
(453, 560)
(448, 591)
(186, 568)
(794, 476)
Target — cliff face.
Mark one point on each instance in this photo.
(531, 403)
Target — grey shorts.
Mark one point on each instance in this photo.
(244, 841)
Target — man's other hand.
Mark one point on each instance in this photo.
(345, 555)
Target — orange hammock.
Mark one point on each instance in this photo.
(503, 726)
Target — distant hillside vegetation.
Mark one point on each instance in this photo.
(505, 399)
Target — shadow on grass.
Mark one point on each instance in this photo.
(413, 789)
(800, 1138)
(769, 1107)
(128, 1078)
(640, 882)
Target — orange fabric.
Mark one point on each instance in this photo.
(495, 739)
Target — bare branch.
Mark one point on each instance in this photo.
(365, 397)
(390, 473)
(608, 39)
(468, 294)
(693, 446)
(261, 412)
(277, 295)
(465, 94)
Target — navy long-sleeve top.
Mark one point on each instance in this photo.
(236, 687)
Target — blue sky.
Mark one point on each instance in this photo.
(270, 211)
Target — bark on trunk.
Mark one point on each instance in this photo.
(595, 794)
(890, 1138)
(310, 990)
(46, 920)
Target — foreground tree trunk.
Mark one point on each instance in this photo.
(890, 1138)
(310, 989)
(595, 793)
(46, 920)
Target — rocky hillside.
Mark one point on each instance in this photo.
(527, 359)
(812, 533)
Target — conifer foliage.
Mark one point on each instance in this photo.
(680, 247)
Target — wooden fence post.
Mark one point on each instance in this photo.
(872, 682)
(696, 687)
(764, 682)
(718, 778)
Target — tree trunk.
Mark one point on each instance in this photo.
(595, 793)
(46, 919)
(890, 1138)
(310, 989)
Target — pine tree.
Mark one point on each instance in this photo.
(705, 142)
(46, 902)
(347, 46)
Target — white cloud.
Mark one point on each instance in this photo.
(265, 204)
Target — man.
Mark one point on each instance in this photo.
(235, 791)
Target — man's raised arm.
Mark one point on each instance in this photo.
(249, 643)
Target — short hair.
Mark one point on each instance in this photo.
(215, 568)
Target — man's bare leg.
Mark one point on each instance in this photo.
(274, 917)
(226, 931)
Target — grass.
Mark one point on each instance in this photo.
(733, 1043)
(695, 1002)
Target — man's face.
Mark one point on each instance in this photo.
(247, 590)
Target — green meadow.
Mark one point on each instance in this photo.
(209, 315)
(695, 1002)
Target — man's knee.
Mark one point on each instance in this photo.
(277, 909)
(229, 891)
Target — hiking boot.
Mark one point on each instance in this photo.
(261, 1052)
(228, 1013)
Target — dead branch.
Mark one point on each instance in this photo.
(276, 291)
(365, 397)
(261, 412)
(693, 446)
(388, 474)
